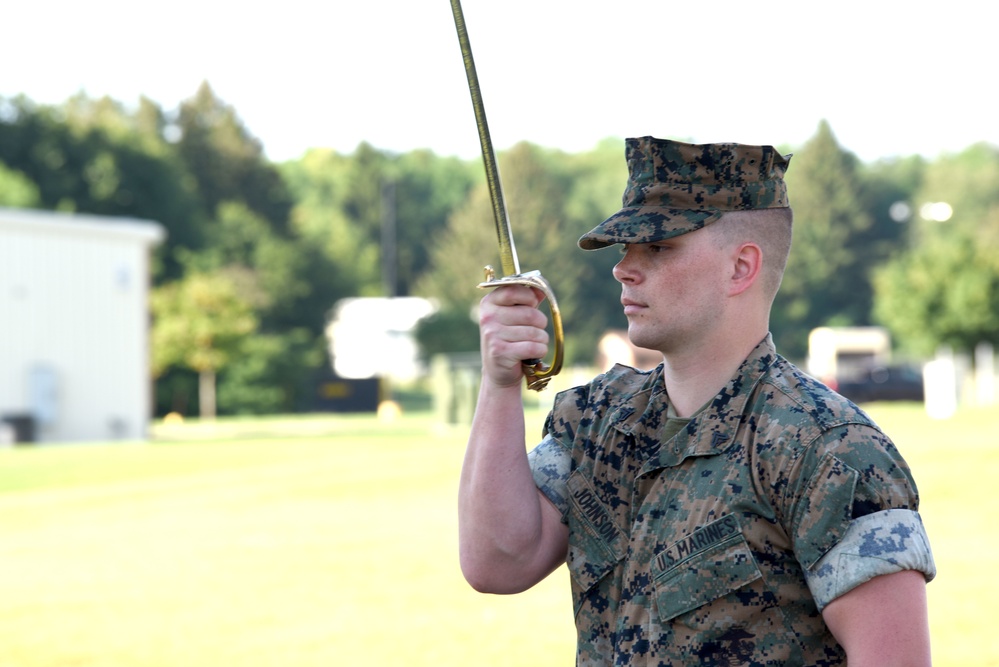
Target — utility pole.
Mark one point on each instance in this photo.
(389, 252)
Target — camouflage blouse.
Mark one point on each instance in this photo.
(721, 544)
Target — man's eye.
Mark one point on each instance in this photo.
(656, 248)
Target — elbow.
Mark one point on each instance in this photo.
(484, 582)
(480, 581)
(488, 577)
(475, 575)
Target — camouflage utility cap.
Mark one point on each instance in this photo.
(675, 188)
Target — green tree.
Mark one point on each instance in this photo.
(252, 234)
(370, 209)
(460, 254)
(225, 208)
(238, 237)
(536, 185)
(200, 322)
(445, 332)
(598, 178)
(36, 143)
(17, 190)
(275, 373)
(941, 294)
(321, 183)
(281, 280)
(426, 188)
(226, 162)
(93, 156)
(943, 287)
(826, 281)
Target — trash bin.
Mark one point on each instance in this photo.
(23, 426)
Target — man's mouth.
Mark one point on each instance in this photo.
(631, 306)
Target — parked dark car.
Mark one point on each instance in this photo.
(884, 383)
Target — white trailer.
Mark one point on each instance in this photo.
(837, 353)
(74, 325)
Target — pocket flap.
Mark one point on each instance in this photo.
(702, 567)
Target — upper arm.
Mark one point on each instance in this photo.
(883, 622)
(550, 465)
(518, 572)
(554, 538)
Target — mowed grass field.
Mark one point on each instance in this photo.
(332, 541)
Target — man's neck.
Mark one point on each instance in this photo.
(693, 379)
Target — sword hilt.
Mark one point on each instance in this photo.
(536, 372)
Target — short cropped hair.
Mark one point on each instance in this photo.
(770, 229)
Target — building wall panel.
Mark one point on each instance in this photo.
(74, 318)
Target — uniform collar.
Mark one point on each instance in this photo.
(711, 430)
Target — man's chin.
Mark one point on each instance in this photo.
(643, 340)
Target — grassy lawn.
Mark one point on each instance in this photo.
(332, 541)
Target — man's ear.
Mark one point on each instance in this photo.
(747, 265)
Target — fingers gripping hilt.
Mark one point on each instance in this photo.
(536, 372)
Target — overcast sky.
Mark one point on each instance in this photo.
(892, 78)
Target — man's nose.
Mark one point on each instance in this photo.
(624, 271)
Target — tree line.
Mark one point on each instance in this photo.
(258, 253)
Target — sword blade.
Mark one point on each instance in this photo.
(508, 252)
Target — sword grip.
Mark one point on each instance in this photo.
(536, 373)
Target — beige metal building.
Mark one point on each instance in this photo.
(74, 326)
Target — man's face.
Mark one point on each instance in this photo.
(672, 290)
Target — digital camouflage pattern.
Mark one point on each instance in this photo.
(875, 544)
(674, 188)
(700, 549)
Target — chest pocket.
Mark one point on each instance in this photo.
(704, 567)
(596, 541)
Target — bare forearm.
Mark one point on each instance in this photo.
(510, 536)
(500, 511)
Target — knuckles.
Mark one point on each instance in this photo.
(512, 305)
(514, 295)
(512, 329)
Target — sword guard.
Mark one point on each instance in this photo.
(536, 372)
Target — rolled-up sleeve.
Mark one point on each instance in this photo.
(854, 512)
(551, 465)
(875, 544)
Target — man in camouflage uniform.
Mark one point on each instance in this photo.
(724, 508)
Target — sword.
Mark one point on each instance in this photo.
(536, 372)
